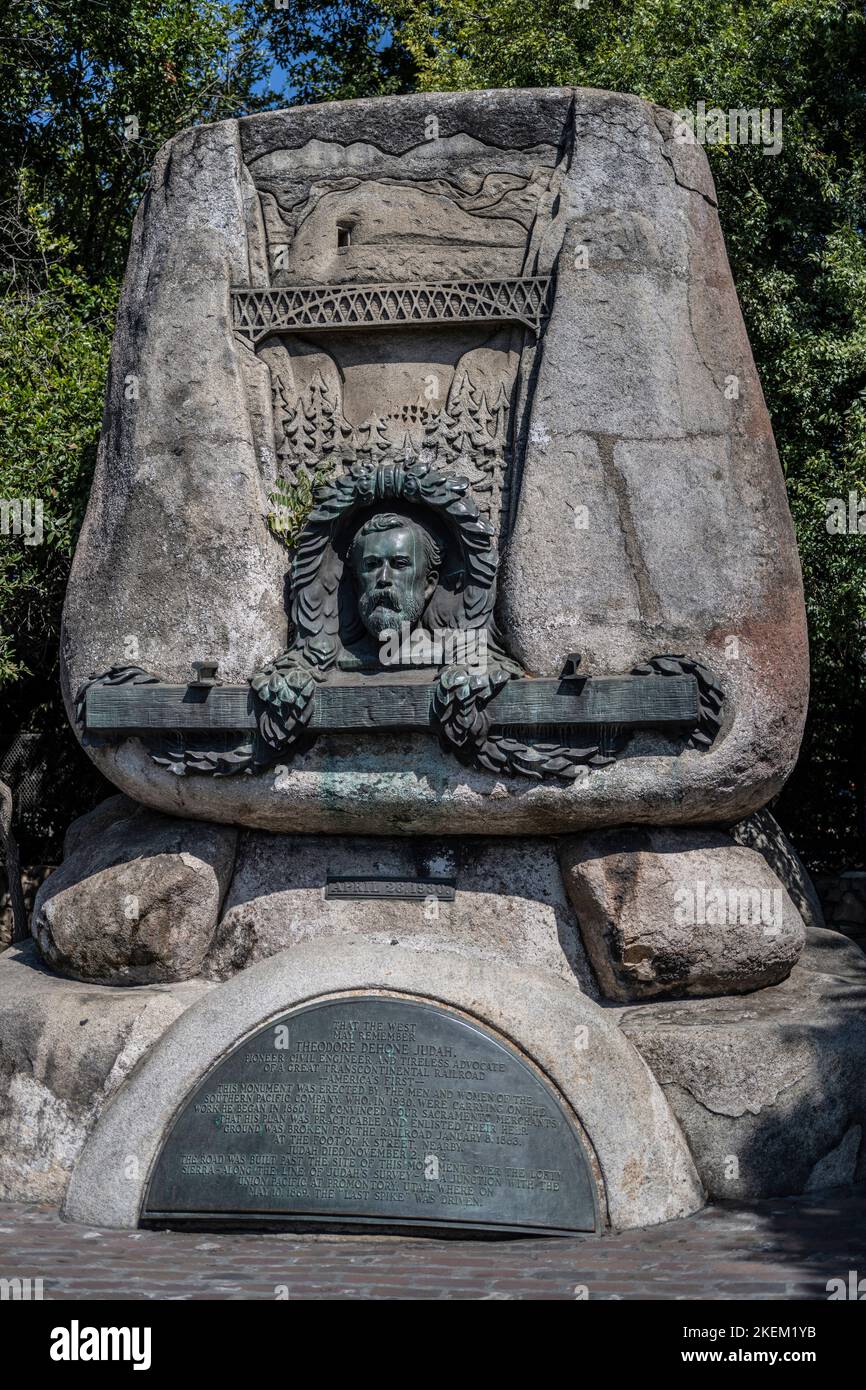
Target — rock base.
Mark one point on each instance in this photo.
(761, 1095)
(672, 913)
(94, 1075)
(576, 951)
(66, 1049)
(770, 1089)
(627, 914)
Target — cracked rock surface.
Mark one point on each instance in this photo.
(137, 897)
(676, 912)
(769, 1088)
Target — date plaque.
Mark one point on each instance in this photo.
(377, 1112)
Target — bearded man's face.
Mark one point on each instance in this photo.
(393, 576)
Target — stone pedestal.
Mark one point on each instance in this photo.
(756, 1094)
(760, 1095)
(770, 1088)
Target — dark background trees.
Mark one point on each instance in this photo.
(76, 71)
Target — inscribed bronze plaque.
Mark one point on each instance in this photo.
(375, 1111)
(383, 886)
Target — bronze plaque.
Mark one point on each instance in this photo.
(389, 886)
(380, 1112)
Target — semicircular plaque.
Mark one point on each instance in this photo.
(378, 1111)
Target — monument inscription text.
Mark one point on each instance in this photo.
(376, 1110)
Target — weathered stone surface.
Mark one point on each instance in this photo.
(686, 513)
(137, 898)
(65, 1048)
(645, 1167)
(770, 1089)
(762, 832)
(687, 547)
(509, 901)
(175, 561)
(679, 912)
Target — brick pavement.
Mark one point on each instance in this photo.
(783, 1249)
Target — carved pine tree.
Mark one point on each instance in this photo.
(345, 441)
(378, 439)
(287, 434)
(500, 407)
(292, 443)
(486, 421)
(463, 406)
(452, 436)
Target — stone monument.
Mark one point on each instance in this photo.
(438, 617)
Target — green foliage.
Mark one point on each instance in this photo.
(291, 505)
(91, 90)
(76, 80)
(335, 52)
(54, 341)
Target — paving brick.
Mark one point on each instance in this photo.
(765, 1251)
